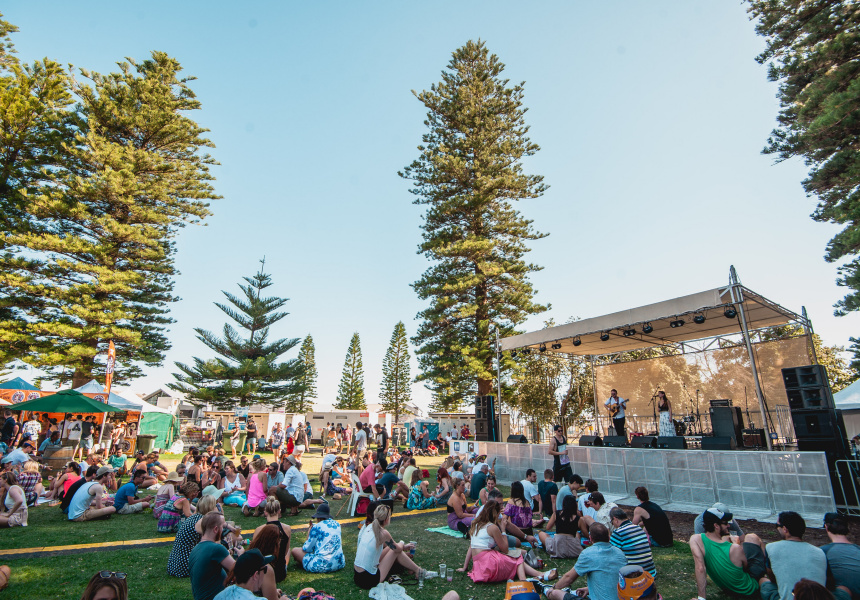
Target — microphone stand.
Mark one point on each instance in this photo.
(698, 416)
(691, 406)
(654, 411)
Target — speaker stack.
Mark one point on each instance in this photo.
(486, 420)
(726, 421)
(818, 426)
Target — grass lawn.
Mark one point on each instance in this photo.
(64, 577)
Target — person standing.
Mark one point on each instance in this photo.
(560, 460)
(87, 427)
(302, 441)
(277, 440)
(75, 430)
(251, 439)
(10, 429)
(234, 439)
(666, 425)
(381, 439)
(360, 444)
(616, 406)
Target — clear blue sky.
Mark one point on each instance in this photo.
(651, 118)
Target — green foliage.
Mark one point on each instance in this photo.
(812, 51)
(396, 389)
(246, 370)
(468, 174)
(350, 392)
(92, 197)
(301, 402)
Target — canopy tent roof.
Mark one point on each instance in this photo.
(93, 387)
(711, 304)
(18, 384)
(66, 401)
(848, 398)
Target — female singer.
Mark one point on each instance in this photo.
(667, 426)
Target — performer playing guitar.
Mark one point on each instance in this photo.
(616, 406)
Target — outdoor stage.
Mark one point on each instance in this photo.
(755, 485)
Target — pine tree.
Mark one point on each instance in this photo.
(350, 392)
(301, 402)
(812, 50)
(396, 383)
(246, 370)
(96, 254)
(468, 174)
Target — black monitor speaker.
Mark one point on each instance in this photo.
(590, 440)
(718, 443)
(727, 421)
(675, 442)
(807, 387)
(615, 441)
(817, 423)
(644, 441)
(517, 439)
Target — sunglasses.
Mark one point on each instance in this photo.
(109, 574)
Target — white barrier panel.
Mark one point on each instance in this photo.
(753, 484)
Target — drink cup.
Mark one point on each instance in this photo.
(443, 571)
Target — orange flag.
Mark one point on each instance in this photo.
(109, 367)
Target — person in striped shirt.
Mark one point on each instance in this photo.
(631, 540)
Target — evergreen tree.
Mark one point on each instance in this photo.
(396, 383)
(350, 392)
(246, 370)
(812, 50)
(301, 402)
(94, 255)
(468, 174)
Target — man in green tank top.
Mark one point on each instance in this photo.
(735, 567)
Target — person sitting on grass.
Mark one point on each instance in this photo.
(117, 461)
(165, 492)
(420, 497)
(267, 543)
(652, 517)
(290, 492)
(13, 501)
(322, 552)
(600, 563)
(178, 508)
(734, 567)
(519, 509)
(377, 552)
(196, 470)
(478, 483)
(234, 485)
(460, 517)
(251, 577)
(791, 559)
(50, 444)
(596, 511)
(257, 492)
(566, 542)
(492, 558)
(484, 493)
(126, 501)
(60, 485)
(154, 468)
(444, 486)
(734, 527)
(631, 540)
(843, 557)
(30, 480)
(210, 561)
(87, 504)
(308, 499)
(389, 486)
(282, 531)
(188, 537)
(106, 585)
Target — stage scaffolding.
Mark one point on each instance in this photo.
(727, 342)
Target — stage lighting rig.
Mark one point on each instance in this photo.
(527, 350)
(604, 337)
(577, 341)
(699, 319)
(676, 323)
(513, 353)
(542, 348)
(556, 346)
(629, 332)
(647, 328)
(730, 312)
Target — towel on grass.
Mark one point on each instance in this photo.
(448, 531)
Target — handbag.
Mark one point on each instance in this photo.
(533, 560)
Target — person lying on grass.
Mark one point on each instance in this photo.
(493, 560)
(377, 552)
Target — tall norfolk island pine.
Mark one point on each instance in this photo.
(350, 392)
(246, 370)
(396, 383)
(88, 255)
(301, 402)
(468, 174)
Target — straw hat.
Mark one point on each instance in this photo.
(173, 477)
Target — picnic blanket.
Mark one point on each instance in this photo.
(448, 531)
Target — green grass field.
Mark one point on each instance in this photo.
(65, 576)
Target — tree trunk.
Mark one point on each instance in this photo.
(485, 387)
(80, 378)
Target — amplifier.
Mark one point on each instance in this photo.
(721, 402)
(615, 441)
(754, 438)
(590, 440)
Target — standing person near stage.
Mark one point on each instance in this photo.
(560, 460)
(666, 427)
(616, 406)
(251, 437)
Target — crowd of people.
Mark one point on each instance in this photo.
(562, 514)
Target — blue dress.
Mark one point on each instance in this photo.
(417, 501)
(323, 548)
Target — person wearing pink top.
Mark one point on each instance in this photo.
(256, 489)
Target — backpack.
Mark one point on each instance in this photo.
(361, 506)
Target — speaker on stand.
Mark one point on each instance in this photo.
(486, 420)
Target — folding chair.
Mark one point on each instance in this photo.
(356, 494)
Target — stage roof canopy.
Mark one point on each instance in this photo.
(711, 304)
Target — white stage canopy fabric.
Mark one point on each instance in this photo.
(711, 304)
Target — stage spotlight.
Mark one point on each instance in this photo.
(513, 353)
(542, 348)
(677, 323)
(629, 332)
(730, 312)
(576, 341)
(604, 337)
(556, 346)
(699, 319)
(527, 350)
(647, 328)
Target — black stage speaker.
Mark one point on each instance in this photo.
(486, 421)
(517, 439)
(718, 443)
(817, 423)
(727, 421)
(835, 449)
(807, 387)
(615, 441)
(676, 442)
(590, 440)
(644, 441)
